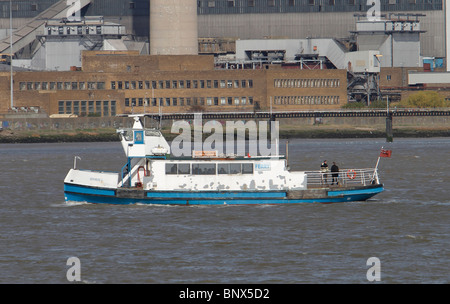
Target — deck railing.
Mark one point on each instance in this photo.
(345, 177)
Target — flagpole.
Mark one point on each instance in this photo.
(376, 166)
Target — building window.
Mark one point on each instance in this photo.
(113, 85)
(98, 107)
(68, 107)
(113, 108)
(60, 107)
(291, 2)
(388, 77)
(251, 3)
(211, 3)
(91, 107)
(76, 107)
(105, 108)
(83, 108)
(230, 3)
(270, 2)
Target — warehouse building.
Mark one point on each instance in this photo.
(110, 83)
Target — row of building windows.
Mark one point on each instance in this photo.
(59, 85)
(188, 101)
(87, 107)
(306, 100)
(306, 83)
(176, 84)
(209, 169)
(182, 84)
(136, 85)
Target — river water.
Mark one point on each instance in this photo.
(406, 227)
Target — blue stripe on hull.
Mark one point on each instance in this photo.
(94, 195)
(88, 190)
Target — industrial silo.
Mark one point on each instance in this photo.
(173, 27)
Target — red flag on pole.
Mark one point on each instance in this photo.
(385, 153)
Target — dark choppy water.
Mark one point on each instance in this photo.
(407, 227)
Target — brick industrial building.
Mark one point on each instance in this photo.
(125, 82)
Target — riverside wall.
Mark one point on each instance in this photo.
(98, 123)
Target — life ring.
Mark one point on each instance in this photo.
(351, 174)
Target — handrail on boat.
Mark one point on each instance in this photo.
(345, 177)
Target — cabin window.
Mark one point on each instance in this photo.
(171, 168)
(235, 168)
(223, 169)
(204, 169)
(184, 169)
(247, 168)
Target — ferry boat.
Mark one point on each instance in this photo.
(152, 176)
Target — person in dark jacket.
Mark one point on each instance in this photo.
(334, 174)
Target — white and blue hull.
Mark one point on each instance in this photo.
(75, 193)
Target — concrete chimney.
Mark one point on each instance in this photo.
(173, 27)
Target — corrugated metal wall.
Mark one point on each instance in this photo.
(207, 7)
(31, 8)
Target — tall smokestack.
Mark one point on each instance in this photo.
(173, 27)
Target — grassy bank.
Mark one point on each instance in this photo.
(286, 132)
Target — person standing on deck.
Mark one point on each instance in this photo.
(324, 170)
(334, 174)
